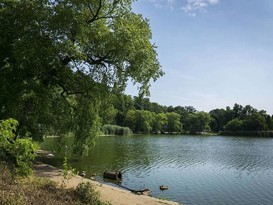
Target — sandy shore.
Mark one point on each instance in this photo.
(107, 193)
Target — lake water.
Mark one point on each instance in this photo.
(198, 170)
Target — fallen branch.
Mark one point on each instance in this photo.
(146, 192)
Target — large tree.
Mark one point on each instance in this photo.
(199, 122)
(173, 122)
(60, 59)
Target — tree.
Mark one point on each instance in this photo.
(198, 122)
(109, 115)
(218, 119)
(234, 125)
(237, 110)
(190, 109)
(130, 120)
(247, 111)
(72, 54)
(255, 122)
(160, 122)
(144, 121)
(269, 122)
(122, 104)
(173, 122)
(140, 121)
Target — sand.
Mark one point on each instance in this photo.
(114, 195)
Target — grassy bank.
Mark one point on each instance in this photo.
(36, 190)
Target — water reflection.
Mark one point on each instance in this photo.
(198, 170)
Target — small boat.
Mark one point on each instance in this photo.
(163, 187)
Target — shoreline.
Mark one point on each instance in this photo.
(107, 193)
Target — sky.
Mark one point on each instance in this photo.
(214, 53)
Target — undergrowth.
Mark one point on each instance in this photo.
(40, 191)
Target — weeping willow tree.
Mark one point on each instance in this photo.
(60, 61)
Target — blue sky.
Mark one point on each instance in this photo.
(214, 53)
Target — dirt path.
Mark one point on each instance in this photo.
(108, 193)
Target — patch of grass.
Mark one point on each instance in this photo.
(40, 191)
(163, 198)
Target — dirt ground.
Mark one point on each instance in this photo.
(107, 193)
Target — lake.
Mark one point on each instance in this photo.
(198, 170)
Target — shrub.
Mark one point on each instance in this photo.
(35, 190)
(31, 190)
(116, 130)
(68, 172)
(18, 152)
(86, 193)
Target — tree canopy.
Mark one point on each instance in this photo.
(143, 116)
(61, 59)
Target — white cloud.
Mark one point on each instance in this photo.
(161, 3)
(213, 2)
(191, 7)
(194, 6)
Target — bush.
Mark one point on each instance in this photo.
(18, 152)
(34, 190)
(30, 190)
(116, 130)
(86, 193)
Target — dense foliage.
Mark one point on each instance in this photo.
(116, 130)
(61, 59)
(241, 118)
(143, 116)
(18, 152)
(63, 64)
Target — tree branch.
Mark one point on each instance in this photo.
(94, 15)
(62, 94)
(65, 90)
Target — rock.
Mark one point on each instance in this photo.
(146, 192)
(112, 175)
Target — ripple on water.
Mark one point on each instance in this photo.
(197, 170)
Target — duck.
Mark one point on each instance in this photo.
(163, 187)
(82, 173)
(50, 155)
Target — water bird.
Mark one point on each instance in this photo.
(82, 173)
(163, 187)
(50, 155)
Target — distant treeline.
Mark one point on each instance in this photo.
(143, 116)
